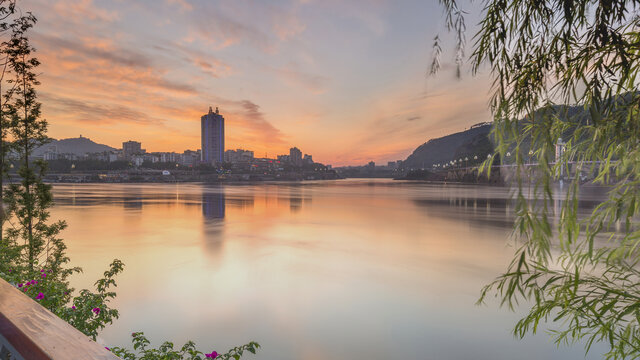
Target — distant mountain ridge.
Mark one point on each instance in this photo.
(78, 146)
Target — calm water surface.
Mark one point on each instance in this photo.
(348, 269)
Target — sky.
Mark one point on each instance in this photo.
(344, 81)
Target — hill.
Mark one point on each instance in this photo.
(78, 146)
(475, 141)
(471, 142)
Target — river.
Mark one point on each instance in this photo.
(346, 269)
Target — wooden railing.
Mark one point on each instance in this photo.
(29, 331)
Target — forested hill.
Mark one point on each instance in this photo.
(78, 146)
(469, 143)
(475, 141)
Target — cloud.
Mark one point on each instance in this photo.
(185, 5)
(287, 25)
(207, 63)
(96, 113)
(94, 48)
(221, 31)
(101, 64)
(85, 9)
(256, 127)
(314, 83)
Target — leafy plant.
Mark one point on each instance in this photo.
(188, 351)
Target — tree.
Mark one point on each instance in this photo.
(7, 9)
(30, 199)
(577, 270)
(34, 257)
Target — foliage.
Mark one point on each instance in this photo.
(33, 256)
(579, 270)
(90, 312)
(166, 351)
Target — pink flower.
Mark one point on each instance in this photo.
(107, 348)
(73, 307)
(133, 334)
(40, 296)
(213, 355)
(96, 311)
(44, 275)
(20, 285)
(42, 270)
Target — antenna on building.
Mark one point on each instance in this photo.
(211, 110)
(217, 112)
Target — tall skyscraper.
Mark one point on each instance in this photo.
(212, 134)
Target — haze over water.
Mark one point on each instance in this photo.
(348, 269)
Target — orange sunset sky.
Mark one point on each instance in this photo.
(342, 80)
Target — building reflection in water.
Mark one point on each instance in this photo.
(213, 212)
(295, 199)
(133, 200)
(213, 205)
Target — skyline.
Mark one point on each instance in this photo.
(289, 72)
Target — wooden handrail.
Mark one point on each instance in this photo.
(36, 333)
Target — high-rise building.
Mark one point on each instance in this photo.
(130, 148)
(212, 134)
(295, 156)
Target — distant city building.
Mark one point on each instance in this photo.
(137, 160)
(130, 148)
(238, 156)
(307, 159)
(391, 164)
(284, 158)
(212, 135)
(169, 157)
(295, 156)
(189, 158)
(50, 155)
(371, 165)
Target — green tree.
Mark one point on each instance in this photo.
(7, 89)
(34, 256)
(30, 199)
(577, 270)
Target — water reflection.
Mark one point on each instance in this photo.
(213, 204)
(373, 270)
